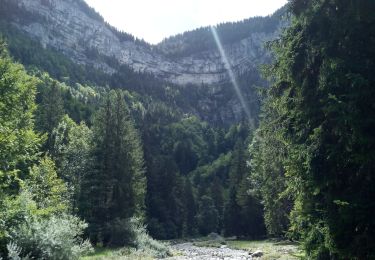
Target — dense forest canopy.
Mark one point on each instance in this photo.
(89, 159)
(317, 123)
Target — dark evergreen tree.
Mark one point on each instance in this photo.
(115, 187)
(268, 180)
(232, 212)
(323, 91)
(190, 209)
(208, 216)
(217, 195)
(50, 110)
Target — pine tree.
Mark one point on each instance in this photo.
(115, 187)
(232, 215)
(190, 209)
(268, 180)
(217, 195)
(208, 216)
(50, 110)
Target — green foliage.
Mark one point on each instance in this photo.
(58, 237)
(38, 233)
(145, 243)
(48, 191)
(50, 110)
(31, 195)
(208, 216)
(14, 210)
(268, 180)
(322, 116)
(72, 148)
(18, 142)
(14, 252)
(243, 211)
(115, 186)
(201, 39)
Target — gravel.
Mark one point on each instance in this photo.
(189, 251)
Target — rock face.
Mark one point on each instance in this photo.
(70, 27)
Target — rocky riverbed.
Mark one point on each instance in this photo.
(189, 251)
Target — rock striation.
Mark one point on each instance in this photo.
(70, 27)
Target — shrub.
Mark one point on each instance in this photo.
(132, 232)
(49, 192)
(52, 238)
(144, 242)
(132, 236)
(14, 252)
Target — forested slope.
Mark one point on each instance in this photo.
(85, 154)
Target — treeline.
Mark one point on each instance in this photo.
(201, 39)
(67, 185)
(312, 158)
(194, 172)
(192, 169)
(191, 99)
(34, 200)
(119, 159)
(74, 156)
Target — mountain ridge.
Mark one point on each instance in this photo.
(75, 29)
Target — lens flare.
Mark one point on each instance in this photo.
(231, 75)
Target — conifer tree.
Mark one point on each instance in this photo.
(115, 187)
(50, 110)
(190, 209)
(324, 92)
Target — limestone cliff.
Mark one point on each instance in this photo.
(71, 27)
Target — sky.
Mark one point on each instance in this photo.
(154, 20)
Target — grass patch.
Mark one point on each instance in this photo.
(142, 246)
(282, 250)
(125, 253)
(100, 253)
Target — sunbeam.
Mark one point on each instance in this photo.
(230, 73)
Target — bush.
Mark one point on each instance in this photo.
(54, 238)
(37, 236)
(145, 243)
(14, 252)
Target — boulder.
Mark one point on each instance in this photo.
(257, 253)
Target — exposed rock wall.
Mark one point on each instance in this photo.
(65, 26)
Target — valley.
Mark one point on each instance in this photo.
(242, 140)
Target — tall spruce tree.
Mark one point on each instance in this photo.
(50, 110)
(268, 180)
(324, 92)
(115, 187)
(190, 209)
